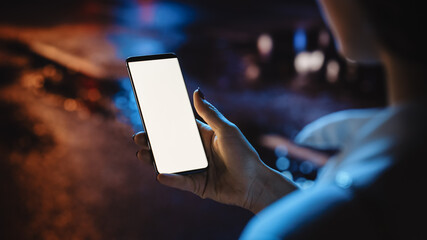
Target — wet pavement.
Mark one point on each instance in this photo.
(67, 161)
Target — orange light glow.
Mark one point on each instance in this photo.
(70, 105)
(93, 95)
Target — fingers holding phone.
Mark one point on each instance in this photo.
(143, 153)
(182, 147)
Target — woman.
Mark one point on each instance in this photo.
(371, 188)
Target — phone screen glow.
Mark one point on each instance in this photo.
(168, 117)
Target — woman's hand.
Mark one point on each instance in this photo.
(235, 175)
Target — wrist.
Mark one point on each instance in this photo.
(268, 186)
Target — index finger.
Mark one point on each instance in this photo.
(140, 139)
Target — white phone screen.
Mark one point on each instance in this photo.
(167, 114)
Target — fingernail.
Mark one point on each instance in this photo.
(201, 93)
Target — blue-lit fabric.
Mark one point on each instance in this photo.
(373, 189)
(334, 130)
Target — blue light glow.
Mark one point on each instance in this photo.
(154, 15)
(282, 163)
(137, 45)
(306, 167)
(145, 28)
(343, 179)
(281, 151)
(300, 40)
(125, 102)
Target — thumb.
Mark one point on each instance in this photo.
(178, 181)
(210, 114)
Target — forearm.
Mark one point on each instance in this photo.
(268, 187)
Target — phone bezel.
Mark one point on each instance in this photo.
(158, 57)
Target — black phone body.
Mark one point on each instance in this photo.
(166, 113)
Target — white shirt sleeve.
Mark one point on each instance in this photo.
(333, 131)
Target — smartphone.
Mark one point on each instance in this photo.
(166, 113)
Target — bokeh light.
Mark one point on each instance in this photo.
(306, 62)
(265, 45)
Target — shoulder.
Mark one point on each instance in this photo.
(386, 163)
(323, 212)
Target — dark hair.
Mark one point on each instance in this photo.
(399, 26)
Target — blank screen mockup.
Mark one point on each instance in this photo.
(167, 114)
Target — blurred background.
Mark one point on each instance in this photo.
(67, 161)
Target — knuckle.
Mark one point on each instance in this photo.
(230, 128)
